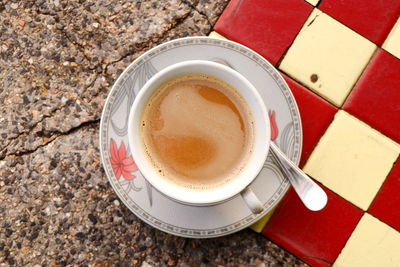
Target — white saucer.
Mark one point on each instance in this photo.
(145, 201)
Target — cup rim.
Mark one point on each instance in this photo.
(220, 193)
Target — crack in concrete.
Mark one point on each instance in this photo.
(128, 54)
(139, 47)
(21, 153)
(66, 35)
(194, 7)
(10, 140)
(54, 137)
(27, 131)
(3, 151)
(155, 39)
(80, 47)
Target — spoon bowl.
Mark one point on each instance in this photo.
(310, 193)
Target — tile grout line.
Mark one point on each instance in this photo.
(359, 77)
(372, 127)
(362, 215)
(364, 212)
(394, 163)
(309, 89)
(347, 241)
(278, 63)
(352, 204)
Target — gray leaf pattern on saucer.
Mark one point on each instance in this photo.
(129, 186)
(287, 141)
(129, 90)
(149, 189)
(272, 165)
(286, 144)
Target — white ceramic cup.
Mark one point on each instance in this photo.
(238, 185)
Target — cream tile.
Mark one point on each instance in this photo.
(352, 159)
(373, 244)
(327, 57)
(216, 35)
(313, 2)
(392, 42)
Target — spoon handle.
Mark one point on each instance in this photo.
(312, 195)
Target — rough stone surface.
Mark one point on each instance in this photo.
(58, 61)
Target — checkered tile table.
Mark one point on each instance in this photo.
(341, 59)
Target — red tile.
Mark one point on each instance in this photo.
(370, 18)
(376, 97)
(386, 205)
(315, 237)
(316, 115)
(267, 26)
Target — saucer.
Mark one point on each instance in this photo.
(145, 201)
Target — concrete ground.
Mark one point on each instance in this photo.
(58, 61)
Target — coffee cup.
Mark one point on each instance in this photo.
(191, 191)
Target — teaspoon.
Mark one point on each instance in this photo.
(311, 194)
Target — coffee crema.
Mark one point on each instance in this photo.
(197, 131)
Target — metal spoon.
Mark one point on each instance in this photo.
(313, 197)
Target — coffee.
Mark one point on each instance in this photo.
(197, 131)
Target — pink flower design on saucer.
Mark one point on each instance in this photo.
(121, 164)
(274, 126)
